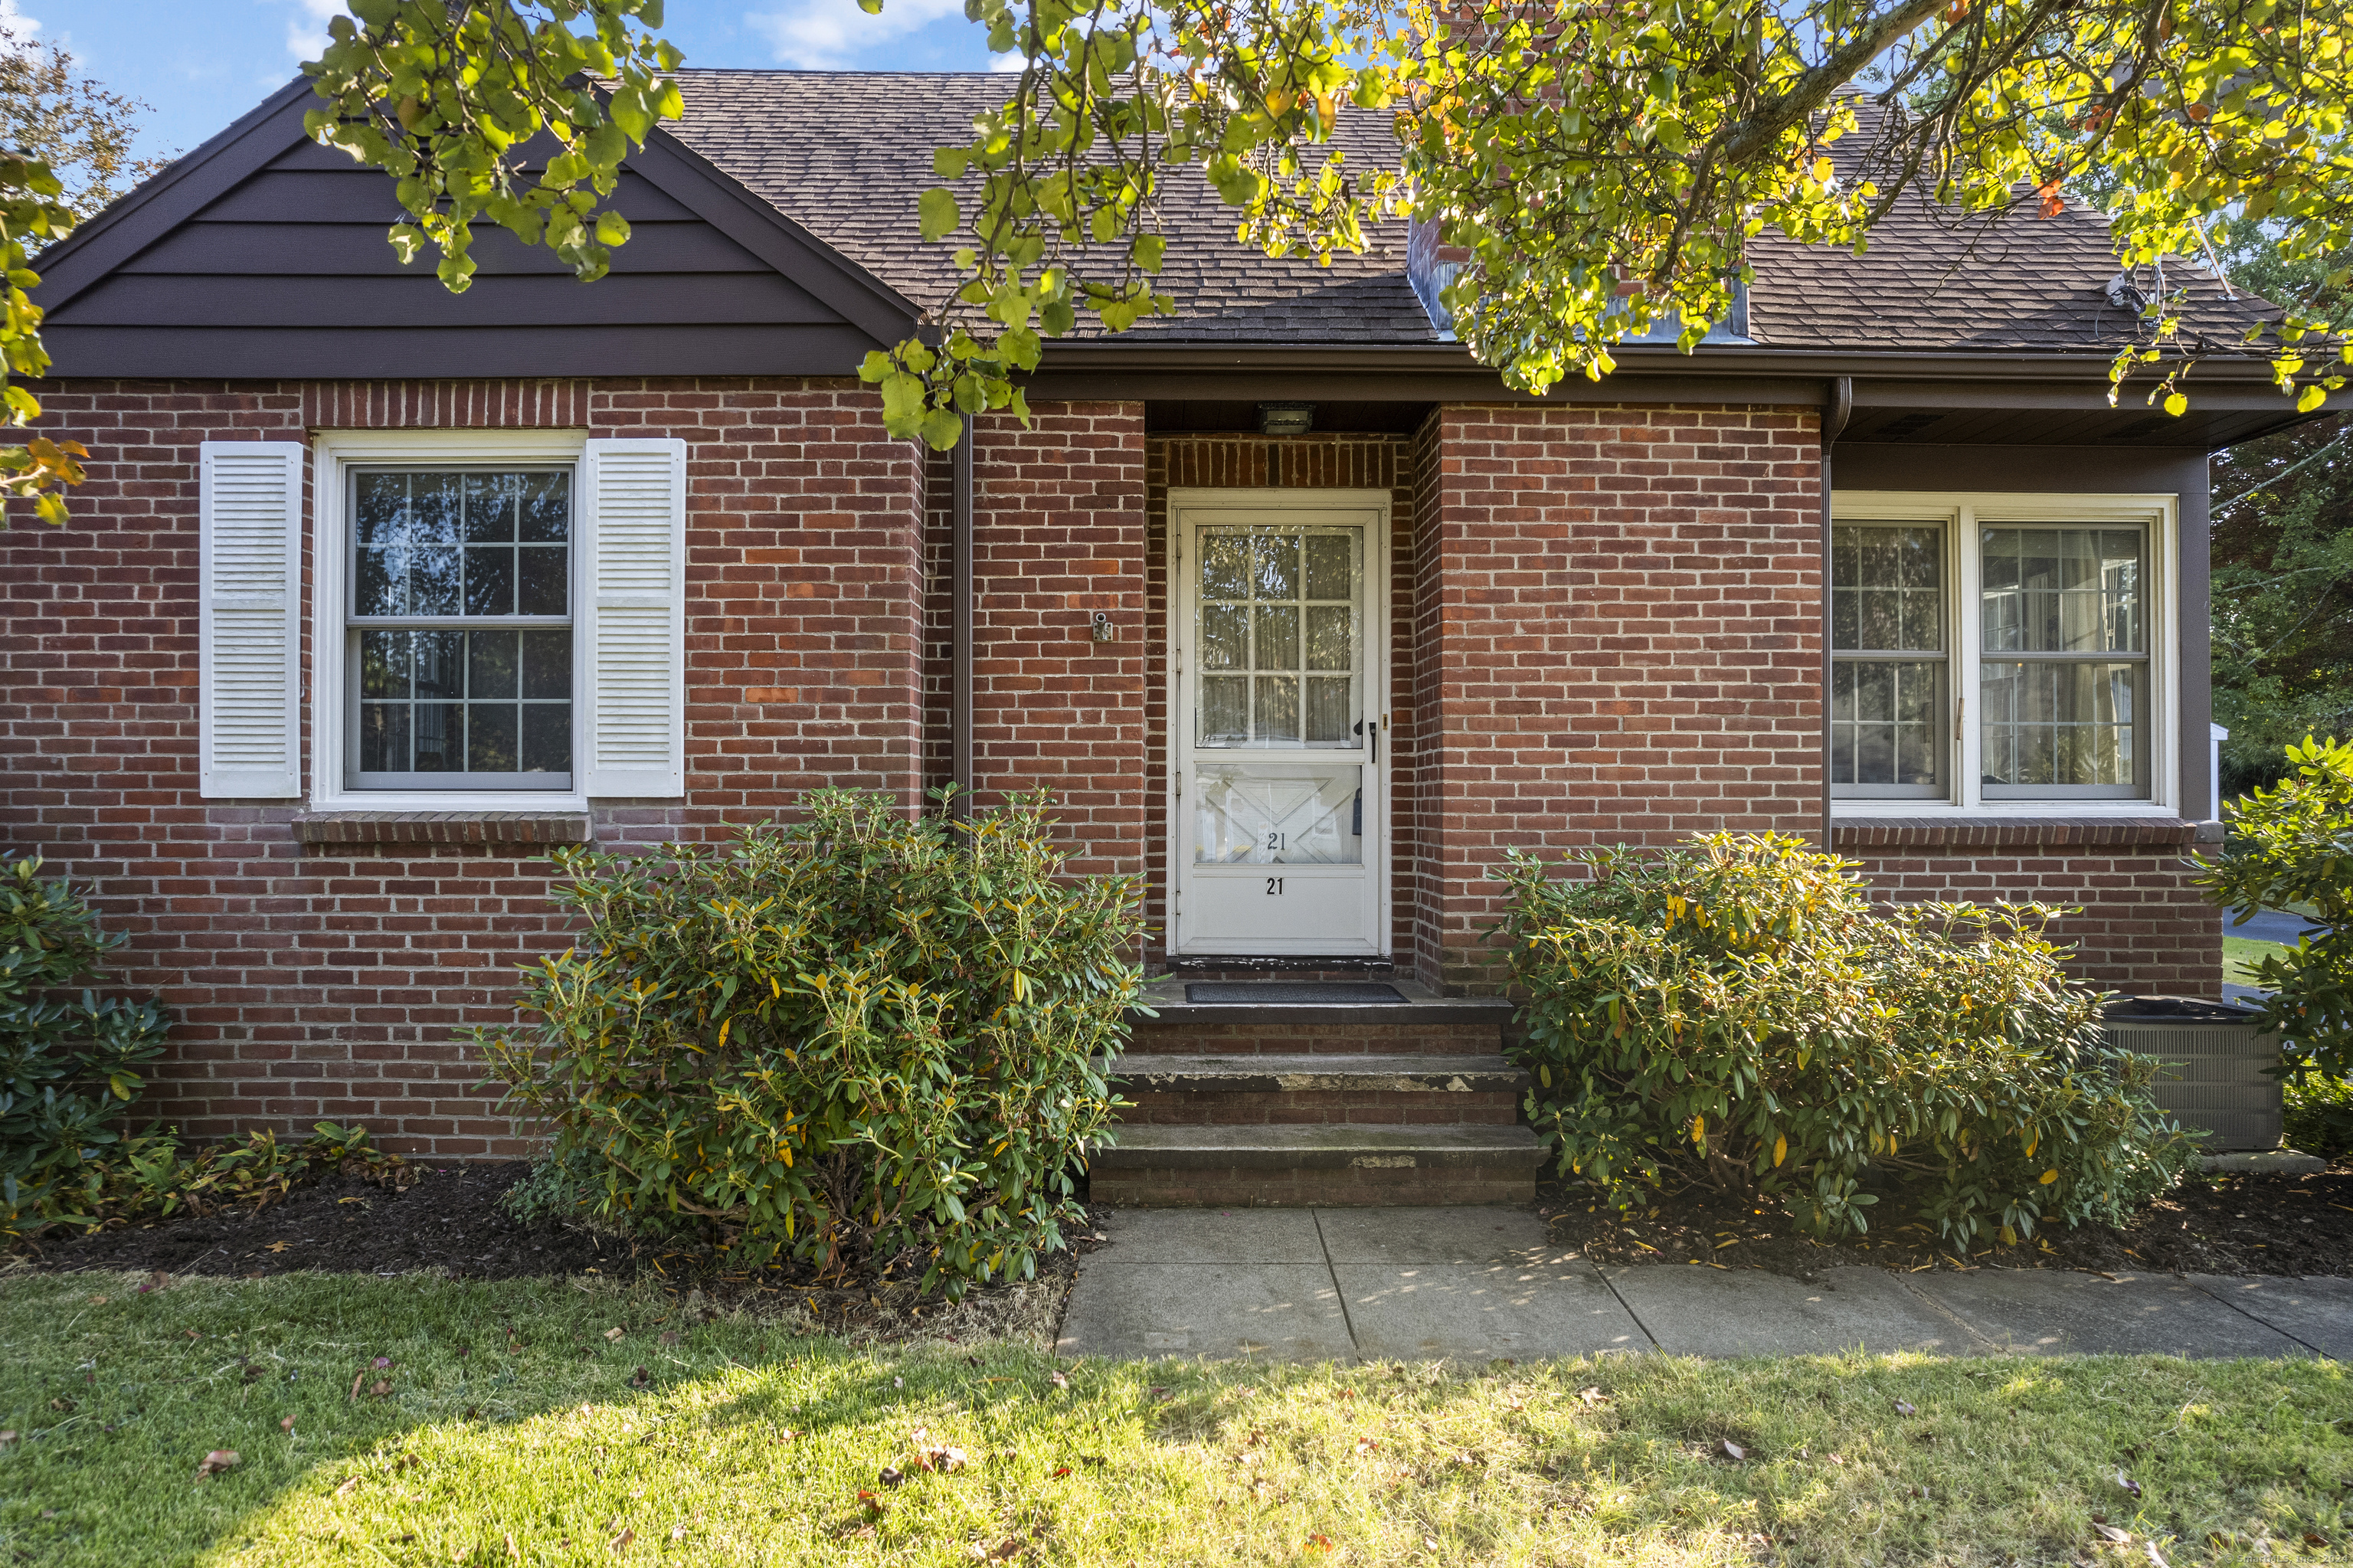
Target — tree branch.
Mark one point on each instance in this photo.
(1751, 138)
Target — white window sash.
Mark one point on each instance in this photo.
(332, 716)
(2158, 515)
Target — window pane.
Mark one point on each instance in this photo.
(1886, 716)
(440, 729)
(436, 508)
(2062, 590)
(384, 737)
(547, 738)
(1277, 647)
(490, 580)
(1278, 566)
(1887, 587)
(1331, 563)
(440, 670)
(547, 664)
(490, 657)
(433, 580)
(545, 508)
(542, 579)
(379, 582)
(1275, 707)
(1225, 637)
(1224, 566)
(491, 507)
(1331, 637)
(2061, 724)
(1330, 715)
(492, 737)
(384, 660)
(380, 509)
(1225, 711)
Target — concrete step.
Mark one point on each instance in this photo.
(1420, 1163)
(1260, 1088)
(1269, 1071)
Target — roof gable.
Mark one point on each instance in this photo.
(263, 255)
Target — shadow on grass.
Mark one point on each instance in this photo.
(514, 1428)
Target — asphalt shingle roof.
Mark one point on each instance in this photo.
(848, 153)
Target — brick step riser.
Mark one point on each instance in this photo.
(1366, 1108)
(1380, 1187)
(1186, 1039)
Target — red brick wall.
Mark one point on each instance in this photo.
(1619, 639)
(325, 980)
(1328, 462)
(2140, 926)
(1059, 526)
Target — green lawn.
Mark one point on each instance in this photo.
(2242, 954)
(510, 1431)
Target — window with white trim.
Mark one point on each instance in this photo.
(459, 635)
(498, 619)
(1992, 650)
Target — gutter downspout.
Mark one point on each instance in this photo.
(961, 612)
(1836, 409)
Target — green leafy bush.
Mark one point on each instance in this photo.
(1739, 1008)
(857, 1040)
(152, 1174)
(2293, 844)
(70, 1067)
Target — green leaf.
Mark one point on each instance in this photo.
(939, 214)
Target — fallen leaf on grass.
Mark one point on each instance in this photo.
(156, 1281)
(8, 1437)
(1319, 1542)
(348, 1488)
(381, 1362)
(1732, 1450)
(380, 1387)
(669, 1336)
(612, 1333)
(941, 1457)
(278, 1246)
(97, 1300)
(1593, 1396)
(1061, 1470)
(641, 1378)
(2129, 1485)
(871, 1504)
(1903, 1407)
(892, 1476)
(2314, 1541)
(215, 1462)
(1009, 1547)
(287, 1424)
(621, 1541)
(358, 1379)
(2109, 1532)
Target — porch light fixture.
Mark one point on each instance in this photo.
(1285, 418)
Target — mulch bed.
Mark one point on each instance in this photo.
(2209, 1225)
(450, 1220)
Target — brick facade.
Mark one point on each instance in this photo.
(1605, 629)
(1617, 627)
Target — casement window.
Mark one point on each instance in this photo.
(2000, 650)
(498, 620)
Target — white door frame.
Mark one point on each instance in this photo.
(1378, 631)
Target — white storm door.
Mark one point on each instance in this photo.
(1280, 802)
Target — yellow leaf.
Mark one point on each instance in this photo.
(1781, 1150)
(2049, 1177)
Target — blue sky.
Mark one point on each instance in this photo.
(202, 63)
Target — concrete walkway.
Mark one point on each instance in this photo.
(1477, 1284)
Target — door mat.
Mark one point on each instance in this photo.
(1294, 993)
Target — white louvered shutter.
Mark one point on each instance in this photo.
(249, 597)
(636, 645)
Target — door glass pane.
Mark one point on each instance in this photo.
(1272, 602)
(1245, 815)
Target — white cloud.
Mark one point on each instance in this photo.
(306, 30)
(1008, 64)
(832, 34)
(20, 26)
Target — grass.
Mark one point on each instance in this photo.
(510, 1431)
(2242, 954)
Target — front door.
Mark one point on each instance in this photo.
(1278, 812)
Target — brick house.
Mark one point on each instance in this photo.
(375, 593)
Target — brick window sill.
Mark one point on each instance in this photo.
(531, 827)
(1961, 830)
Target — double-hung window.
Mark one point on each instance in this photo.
(459, 638)
(1992, 650)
